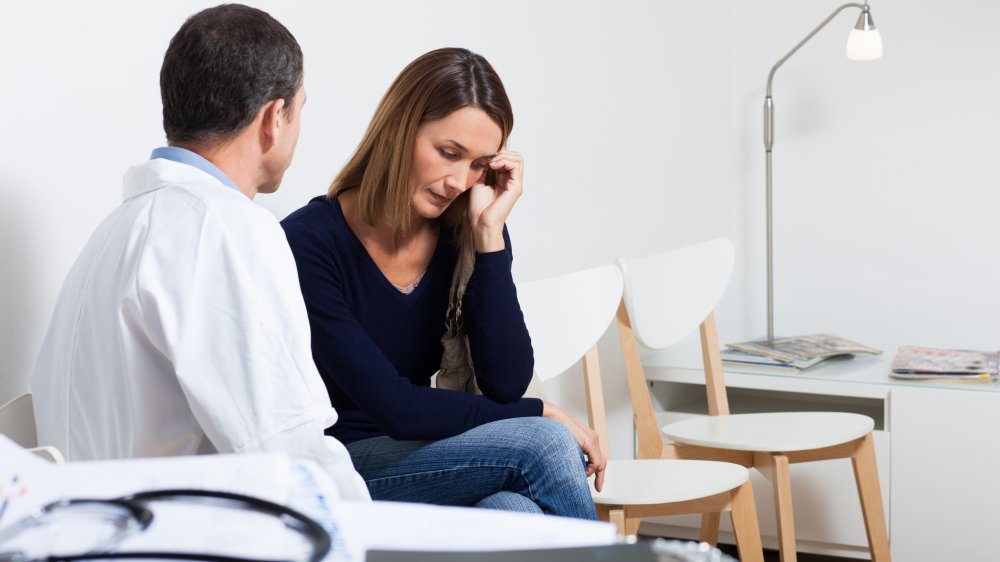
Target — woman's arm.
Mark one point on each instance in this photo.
(344, 351)
(498, 338)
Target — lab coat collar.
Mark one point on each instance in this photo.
(191, 158)
(159, 173)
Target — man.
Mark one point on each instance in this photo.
(181, 328)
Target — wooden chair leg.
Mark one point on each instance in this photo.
(614, 514)
(745, 526)
(710, 528)
(632, 526)
(783, 508)
(866, 476)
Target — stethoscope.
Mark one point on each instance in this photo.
(132, 517)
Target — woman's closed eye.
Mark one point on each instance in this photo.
(448, 154)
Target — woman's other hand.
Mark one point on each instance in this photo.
(585, 437)
(490, 206)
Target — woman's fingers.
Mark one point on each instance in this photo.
(599, 480)
(490, 206)
(509, 166)
(596, 463)
(510, 172)
(585, 437)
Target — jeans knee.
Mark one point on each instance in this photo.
(553, 470)
(553, 443)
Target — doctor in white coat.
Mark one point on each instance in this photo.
(181, 327)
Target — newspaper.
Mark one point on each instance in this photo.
(804, 351)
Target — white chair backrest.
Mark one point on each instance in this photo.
(668, 295)
(50, 454)
(567, 315)
(17, 421)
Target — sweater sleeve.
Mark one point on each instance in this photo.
(344, 351)
(498, 338)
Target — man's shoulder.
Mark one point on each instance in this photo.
(175, 184)
(201, 205)
(189, 227)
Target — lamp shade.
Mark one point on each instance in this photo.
(864, 44)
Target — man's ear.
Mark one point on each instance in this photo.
(272, 122)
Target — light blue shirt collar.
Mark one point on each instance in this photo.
(185, 156)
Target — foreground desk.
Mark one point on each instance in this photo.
(354, 527)
(938, 448)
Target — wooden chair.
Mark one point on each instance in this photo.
(667, 296)
(566, 316)
(17, 422)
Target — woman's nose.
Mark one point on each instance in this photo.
(455, 184)
(462, 178)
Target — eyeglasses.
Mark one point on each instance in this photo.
(195, 520)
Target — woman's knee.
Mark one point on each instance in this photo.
(551, 442)
(552, 469)
(534, 440)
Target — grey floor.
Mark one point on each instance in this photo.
(772, 555)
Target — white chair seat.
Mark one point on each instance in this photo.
(775, 432)
(655, 481)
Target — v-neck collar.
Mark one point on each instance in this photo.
(376, 272)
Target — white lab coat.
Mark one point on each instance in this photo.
(180, 330)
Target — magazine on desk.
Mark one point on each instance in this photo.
(750, 363)
(800, 351)
(914, 362)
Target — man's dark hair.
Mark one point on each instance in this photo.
(221, 67)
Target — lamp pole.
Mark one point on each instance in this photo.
(864, 22)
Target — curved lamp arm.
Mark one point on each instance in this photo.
(770, 76)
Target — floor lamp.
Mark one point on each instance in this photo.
(864, 43)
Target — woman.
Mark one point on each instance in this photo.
(376, 257)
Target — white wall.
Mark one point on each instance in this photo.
(640, 124)
(885, 175)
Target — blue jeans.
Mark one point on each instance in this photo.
(521, 464)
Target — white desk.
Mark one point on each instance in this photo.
(938, 448)
(354, 526)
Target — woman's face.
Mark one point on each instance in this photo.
(450, 155)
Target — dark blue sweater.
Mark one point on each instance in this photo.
(377, 348)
